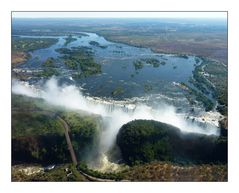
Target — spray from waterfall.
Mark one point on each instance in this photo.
(114, 115)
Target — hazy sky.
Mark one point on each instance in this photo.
(120, 14)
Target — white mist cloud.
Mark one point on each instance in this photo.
(70, 97)
(23, 89)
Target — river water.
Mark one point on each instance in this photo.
(118, 71)
(165, 101)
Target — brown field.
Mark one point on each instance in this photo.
(162, 171)
(19, 57)
(212, 46)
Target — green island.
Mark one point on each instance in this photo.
(69, 39)
(154, 62)
(184, 56)
(148, 87)
(80, 59)
(94, 43)
(139, 64)
(50, 62)
(117, 91)
(50, 68)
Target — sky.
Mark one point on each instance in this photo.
(120, 14)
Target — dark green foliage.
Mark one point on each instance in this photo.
(112, 176)
(138, 65)
(84, 132)
(43, 149)
(139, 142)
(197, 60)
(215, 82)
(31, 44)
(60, 174)
(148, 88)
(94, 43)
(69, 39)
(183, 56)
(207, 103)
(49, 62)
(48, 72)
(49, 68)
(154, 62)
(80, 59)
(219, 77)
(38, 135)
(25, 123)
(117, 91)
(145, 141)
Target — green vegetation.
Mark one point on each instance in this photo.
(218, 76)
(138, 64)
(197, 60)
(81, 59)
(144, 141)
(61, 173)
(48, 73)
(84, 132)
(154, 62)
(69, 39)
(37, 123)
(112, 176)
(168, 171)
(117, 91)
(184, 56)
(50, 62)
(211, 77)
(147, 87)
(207, 103)
(50, 68)
(38, 134)
(31, 44)
(21, 47)
(41, 149)
(94, 43)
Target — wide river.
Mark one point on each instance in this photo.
(149, 85)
